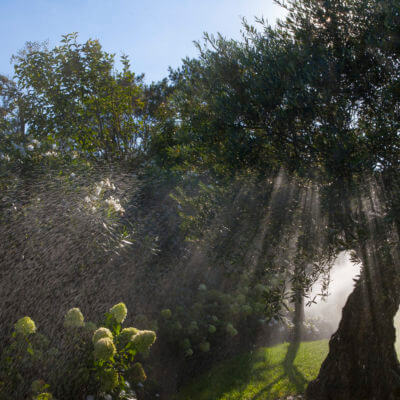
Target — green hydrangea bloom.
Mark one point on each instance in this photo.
(231, 330)
(188, 352)
(108, 380)
(136, 373)
(166, 313)
(119, 312)
(204, 347)
(25, 326)
(143, 340)
(102, 333)
(74, 318)
(202, 287)
(104, 349)
(212, 328)
(126, 335)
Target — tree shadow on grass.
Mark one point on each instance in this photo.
(235, 375)
(291, 373)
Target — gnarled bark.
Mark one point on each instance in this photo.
(362, 362)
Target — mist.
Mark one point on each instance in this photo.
(341, 285)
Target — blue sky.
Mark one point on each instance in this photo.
(154, 34)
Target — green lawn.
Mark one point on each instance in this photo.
(265, 374)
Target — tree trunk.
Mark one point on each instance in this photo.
(298, 319)
(297, 334)
(362, 362)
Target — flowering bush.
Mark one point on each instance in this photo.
(93, 361)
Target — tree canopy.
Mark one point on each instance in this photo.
(279, 151)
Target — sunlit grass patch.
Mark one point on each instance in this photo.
(265, 374)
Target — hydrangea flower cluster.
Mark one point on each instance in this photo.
(104, 349)
(101, 333)
(25, 326)
(166, 313)
(231, 330)
(74, 318)
(110, 367)
(126, 336)
(204, 347)
(119, 312)
(143, 340)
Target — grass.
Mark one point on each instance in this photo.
(265, 374)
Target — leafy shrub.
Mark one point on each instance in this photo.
(214, 317)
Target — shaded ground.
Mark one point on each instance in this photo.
(265, 374)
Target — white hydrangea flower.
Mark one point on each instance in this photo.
(104, 349)
(74, 318)
(102, 333)
(126, 335)
(143, 340)
(25, 326)
(119, 312)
